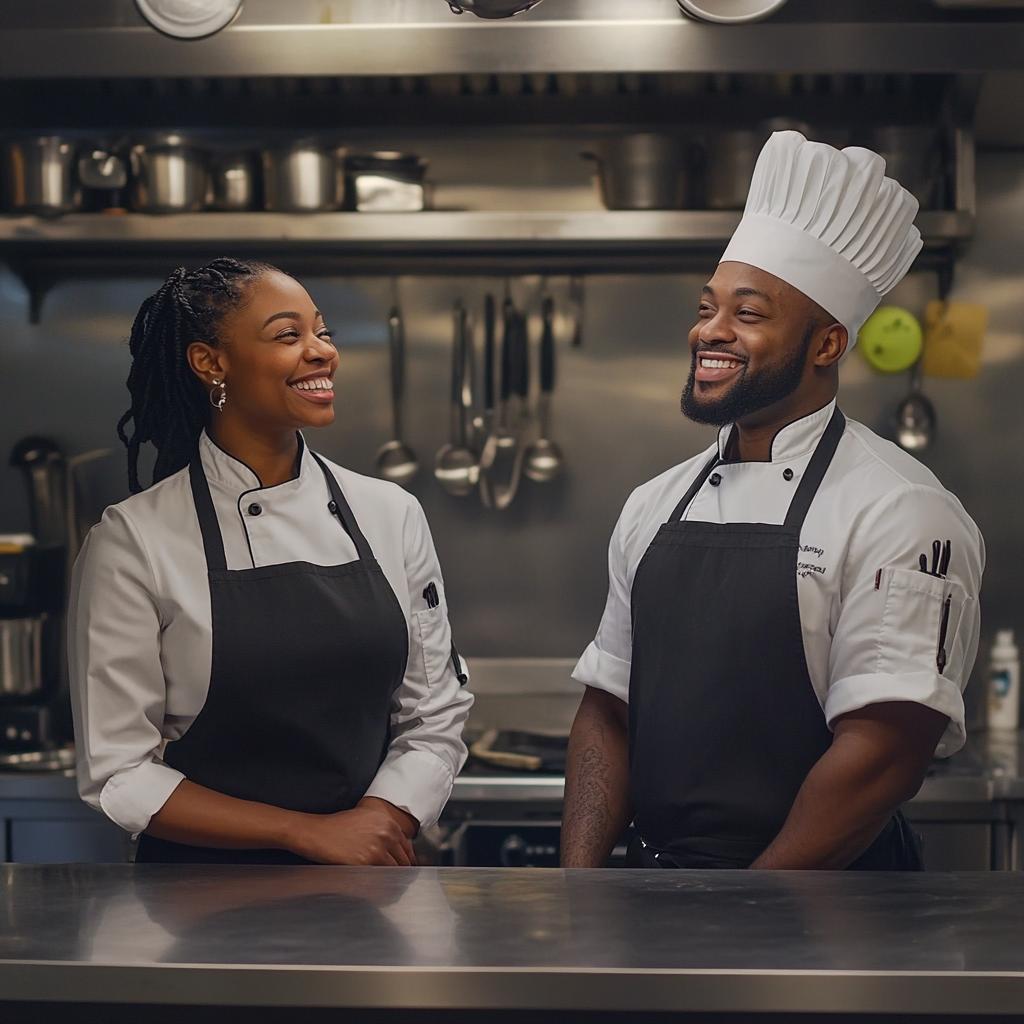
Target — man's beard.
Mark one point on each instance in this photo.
(751, 393)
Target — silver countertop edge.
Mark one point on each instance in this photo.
(517, 988)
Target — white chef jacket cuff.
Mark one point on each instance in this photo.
(603, 671)
(927, 688)
(131, 797)
(415, 781)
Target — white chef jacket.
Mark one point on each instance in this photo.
(140, 640)
(869, 617)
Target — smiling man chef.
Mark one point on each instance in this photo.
(777, 663)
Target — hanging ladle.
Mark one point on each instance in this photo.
(543, 460)
(456, 467)
(396, 461)
(515, 386)
(915, 417)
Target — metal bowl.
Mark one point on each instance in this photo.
(730, 12)
(492, 8)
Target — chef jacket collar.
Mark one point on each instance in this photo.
(224, 470)
(793, 441)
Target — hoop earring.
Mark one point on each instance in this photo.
(218, 403)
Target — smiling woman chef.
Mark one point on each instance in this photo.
(277, 620)
(779, 657)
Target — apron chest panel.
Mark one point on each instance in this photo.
(306, 661)
(723, 719)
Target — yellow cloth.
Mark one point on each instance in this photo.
(954, 333)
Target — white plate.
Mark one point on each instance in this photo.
(730, 12)
(189, 19)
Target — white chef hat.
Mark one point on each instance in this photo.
(829, 223)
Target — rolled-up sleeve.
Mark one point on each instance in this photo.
(118, 691)
(605, 664)
(431, 706)
(885, 643)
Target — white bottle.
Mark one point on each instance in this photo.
(1004, 682)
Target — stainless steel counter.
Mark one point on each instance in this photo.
(506, 939)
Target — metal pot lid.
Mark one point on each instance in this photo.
(189, 19)
(492, 8)
(730, 12)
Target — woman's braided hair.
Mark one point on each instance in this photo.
(170, 406)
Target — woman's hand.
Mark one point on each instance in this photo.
(368, 834)
(373, 832)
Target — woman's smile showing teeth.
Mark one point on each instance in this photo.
(318, 389)
(717, 366)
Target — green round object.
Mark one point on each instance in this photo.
(890, 339)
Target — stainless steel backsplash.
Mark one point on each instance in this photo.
(530, 581)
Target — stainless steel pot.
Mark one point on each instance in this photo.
(305, 177)
(169, 175)
(911, 157)
(728, 168)
(234, 181)
(21, 657)
(642, 172)
(45, 469)
(40, 176)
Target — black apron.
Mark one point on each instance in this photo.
(306, 659)
(724, 725)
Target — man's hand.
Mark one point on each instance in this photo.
(596, 781)
(365, 835)
(878, 759)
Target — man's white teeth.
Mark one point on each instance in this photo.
(316, 384)
(717, 364)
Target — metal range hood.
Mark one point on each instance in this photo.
(69, 39)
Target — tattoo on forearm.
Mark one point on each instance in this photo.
(589, 812)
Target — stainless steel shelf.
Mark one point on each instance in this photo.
(662, 41)
(434, 229)
(45, 251)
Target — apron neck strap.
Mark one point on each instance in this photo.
(213, 542)
(816, 469)
(677, 512)
(340, 507)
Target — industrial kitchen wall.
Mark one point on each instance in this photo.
(531, 581)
